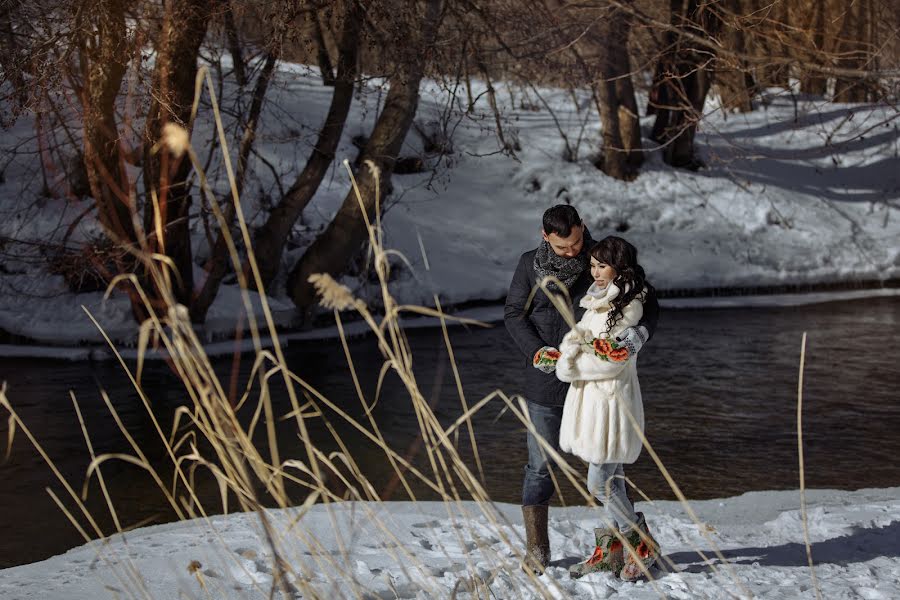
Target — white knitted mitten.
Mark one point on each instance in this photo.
(633, 339)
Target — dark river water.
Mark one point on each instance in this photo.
(719, 387)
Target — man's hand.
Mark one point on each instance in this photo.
(545, 359)
(633, 339)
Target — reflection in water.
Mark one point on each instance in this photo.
(719, 390)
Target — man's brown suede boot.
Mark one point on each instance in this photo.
(537, 540)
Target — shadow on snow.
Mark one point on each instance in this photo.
(862, 545)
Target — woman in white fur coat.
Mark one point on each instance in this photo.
(603, 416)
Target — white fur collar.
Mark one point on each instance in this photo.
(600, 299)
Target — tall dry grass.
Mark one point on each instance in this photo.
(207, 435)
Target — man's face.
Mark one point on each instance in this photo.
(566, 247)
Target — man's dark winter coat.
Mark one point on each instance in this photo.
(540, 324)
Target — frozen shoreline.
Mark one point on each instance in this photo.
(492, 314)
(775, 207)
(411, 549)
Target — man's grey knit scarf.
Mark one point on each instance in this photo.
(547, 263)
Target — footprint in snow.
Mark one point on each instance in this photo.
(247, 553)
(427, 525)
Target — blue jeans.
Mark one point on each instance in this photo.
(607, 484)
(538, 485)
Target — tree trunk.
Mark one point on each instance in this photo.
(271, 238)
(872, 27)
(234, 45)
(103, 62)
(183, 31)
(682, 81)
(694, 84)
(658, 101)
(629, 116)
(325, 67)
(10, 60)
(777, 73)
(219, 259)
(495, 108)
(815, 83)
(334, 248)
(614, 159)
(853, 47)
(621, 149)
(733, 80)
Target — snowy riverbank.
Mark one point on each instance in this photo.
(793, 194)
(405, 550)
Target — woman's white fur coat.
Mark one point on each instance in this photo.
(595, 423)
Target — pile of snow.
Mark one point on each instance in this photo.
(433, 550)
(793, 194)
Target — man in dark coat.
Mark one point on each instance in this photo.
(538, 328)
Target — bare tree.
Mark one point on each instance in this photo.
(166, 175)
(854, 52)
(683, 78)
(621, 149)
(629, 115)
(100, 35)
(770, 27)
(234, 43)
(271, 238)
(733, 78)
(11, 56)
(815, 82)
(48, 49)
(332, 250)
(325, 66)
(219, 263)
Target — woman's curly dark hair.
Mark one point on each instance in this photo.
(621, 256)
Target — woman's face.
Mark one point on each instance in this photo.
(602, 273)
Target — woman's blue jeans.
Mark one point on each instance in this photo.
(606, 482)
(537, 488)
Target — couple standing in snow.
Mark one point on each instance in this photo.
(582, 392)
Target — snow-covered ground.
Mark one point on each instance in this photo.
(793, 194)
(432, 550)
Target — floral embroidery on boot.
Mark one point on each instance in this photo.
(646, 551)
(607, 556)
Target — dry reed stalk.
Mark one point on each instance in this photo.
(803, 515)
(90, 447)
(688, 509)
(459, 386)
(126, 582)
(194, 368)
(368, 409)
(237, 465)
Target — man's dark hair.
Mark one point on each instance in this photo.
(560, 219)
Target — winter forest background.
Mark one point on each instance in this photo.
(89, 89)
(238, 240)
